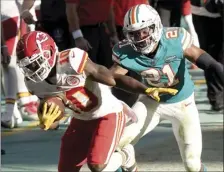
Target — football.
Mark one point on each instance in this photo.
(56, 101)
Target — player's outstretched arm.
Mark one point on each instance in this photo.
(99, 73)
(125, 82)
(204, 61)
(132, 85)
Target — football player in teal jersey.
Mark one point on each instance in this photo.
(159, 55)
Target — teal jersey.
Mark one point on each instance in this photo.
(168, 67)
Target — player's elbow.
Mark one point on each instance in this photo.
(106, 80)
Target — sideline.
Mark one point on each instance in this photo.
(30, 126)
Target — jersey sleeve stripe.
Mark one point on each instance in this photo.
(63, 57)
(133, 15)
(184, 37)
(63, 60)
(187, 40)
(83, 62)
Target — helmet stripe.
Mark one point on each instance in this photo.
(129, 18)
(136, 14)
(133, 15)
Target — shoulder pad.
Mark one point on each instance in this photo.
(180, 34)
(120, 51)
(77, 59)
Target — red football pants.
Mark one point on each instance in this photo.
(13, 29)
(91, 141)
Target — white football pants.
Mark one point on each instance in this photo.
(185, 123)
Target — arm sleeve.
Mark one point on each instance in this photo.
(206, 62)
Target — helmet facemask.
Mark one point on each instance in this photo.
(36, 67)
(36, 55)
(142, 40)
(143, 28)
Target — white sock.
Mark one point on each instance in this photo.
(21, 86)
(115, 162)
(9, 109)
(12, 110)
(9, 82)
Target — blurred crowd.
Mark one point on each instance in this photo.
(95, 26)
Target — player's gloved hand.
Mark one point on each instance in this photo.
(49, 115)
(154, 92)
(27, 17)
(83, 44)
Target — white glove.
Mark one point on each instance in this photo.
(195, 38)
(191, 29)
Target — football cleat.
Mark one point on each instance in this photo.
(7, 123)
(130, 163)
(28, 107)
(29, 111)
(11, 120)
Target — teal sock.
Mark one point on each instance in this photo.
(119, 170)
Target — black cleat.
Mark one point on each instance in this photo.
(2, 152)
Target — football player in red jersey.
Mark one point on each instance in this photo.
(12, 79)
(98, 117)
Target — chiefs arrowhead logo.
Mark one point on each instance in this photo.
(72, 80)
(41, 37)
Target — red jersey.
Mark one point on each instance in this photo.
(186, 7)
(122, 6)
(91, 100)
(92, 12)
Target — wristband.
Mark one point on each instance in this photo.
(77, 34)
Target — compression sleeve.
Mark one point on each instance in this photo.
(206, 62)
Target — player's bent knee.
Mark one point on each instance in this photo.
(192, 164)
(96, 167)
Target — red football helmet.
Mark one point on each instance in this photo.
(36, 55)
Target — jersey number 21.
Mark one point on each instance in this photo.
(153, 76)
